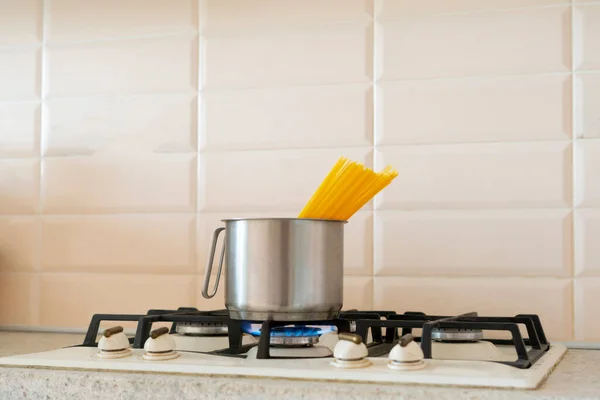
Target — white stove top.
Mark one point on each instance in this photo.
(454, 364)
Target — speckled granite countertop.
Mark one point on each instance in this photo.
(577, 377)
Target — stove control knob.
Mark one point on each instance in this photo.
(350, 352)
(406, 355)
(113, 344)
(160, 346)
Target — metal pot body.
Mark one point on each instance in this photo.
(280, 269)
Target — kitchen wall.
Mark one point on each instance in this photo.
(128, 129)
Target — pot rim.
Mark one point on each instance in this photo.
(283, 219)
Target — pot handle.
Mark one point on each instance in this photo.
(209, 265)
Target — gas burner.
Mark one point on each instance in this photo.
(456, 335)
(294, 341)
(294, 336)
(316, 351)
(277, 335)
(202, 328)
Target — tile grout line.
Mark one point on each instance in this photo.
(573, 330)
(106, 39)
(199, 133)
(565, 3)
(374, 124)
(41, 145)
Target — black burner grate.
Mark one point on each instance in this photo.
(182, 314)
(417, 320)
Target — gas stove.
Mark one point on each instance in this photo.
(356, 346)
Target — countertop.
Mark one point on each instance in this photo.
(576, 377)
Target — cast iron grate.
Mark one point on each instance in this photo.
(408, 321)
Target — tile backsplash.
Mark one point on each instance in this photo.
(128, 129)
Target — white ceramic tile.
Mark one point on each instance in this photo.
(498, 43)
(300, 117)
(163, 123)
(586, 37)
(358, 238)
(70, 300)
(20, 21)
(358, 293)
(587, 173)
(266, 181)
(243, 14)
(19, 186)
(587, 312)
(18, 244)
(587, 104)
(20, 73)
(148, 65)
(467, 176)
(73, 20)
(120, 184)
(18, 296)
(400, 9)
(475, 243)
(19, 129)
(587, 251)
(321, 55)
(551, 299)
(475, 110)
(155, 243)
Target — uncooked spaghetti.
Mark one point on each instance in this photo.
(346, 189)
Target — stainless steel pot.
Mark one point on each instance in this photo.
(281, 269)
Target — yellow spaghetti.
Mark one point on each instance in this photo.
(346, 189)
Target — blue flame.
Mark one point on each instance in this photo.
(291, 331)
(295, 331)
